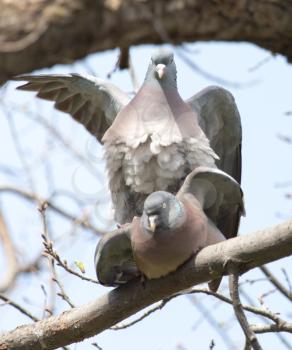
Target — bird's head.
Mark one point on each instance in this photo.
(162, 212)
(162, 68)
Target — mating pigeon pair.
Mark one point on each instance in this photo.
(155, 140)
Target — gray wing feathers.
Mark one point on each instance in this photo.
(219, 194)
(113, 258)
(220, 120)
(91, 101)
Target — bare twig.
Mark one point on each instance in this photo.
(258, 311)
(146, 314)
(287, 279)
(210, 76)
(34, 198)
(209, 318)
(49, 245)
(11, 264)
(265, 294)
(46, 309)
(49, 251)
(284, 327)
(18, 307)
(252, 281)
(19, 149)
(66, 143)
(260, 63)
(252, 309)
(281, 288)
(251, 338)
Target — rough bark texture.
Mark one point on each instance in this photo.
(36, 34)
(79, 323)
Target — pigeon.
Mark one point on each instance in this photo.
(171, 230)
(152, 141)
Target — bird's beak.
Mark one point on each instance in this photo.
(160, 69)
(152, 222)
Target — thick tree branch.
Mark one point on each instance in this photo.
(43, 33)
(79, 323)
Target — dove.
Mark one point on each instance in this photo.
(171, 230)
(152, 141)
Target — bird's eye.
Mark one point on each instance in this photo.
(163, 205)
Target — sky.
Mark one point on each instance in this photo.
(263, 94)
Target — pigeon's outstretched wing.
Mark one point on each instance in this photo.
(219, 194)
(91, 101)
(220, 120)
(113, 258)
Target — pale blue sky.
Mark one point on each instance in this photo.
(266, 161)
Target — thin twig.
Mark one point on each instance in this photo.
(45, 308)
(267, 328)
(281, 288)
(208, 75)
(34, 198)
(265, 294)
(146, 314)
(18, 307)
(49, 251)
(238, 309)
(48, 245)
(12, 266)
(260, 63)
(287, 279)
(209, 318)
(19, 149)
(258, 311)
(66, 143)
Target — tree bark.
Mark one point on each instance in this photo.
(37, 34)
(79, 323)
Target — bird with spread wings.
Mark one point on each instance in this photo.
(152, 141)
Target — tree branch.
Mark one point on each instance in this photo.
(43, 33)
(280, 287)
(79, 323)
(18, 307)
(11, 263)
(251, 339)
(35, 198)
